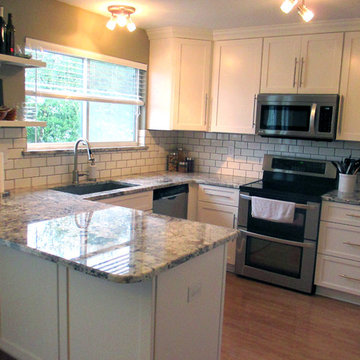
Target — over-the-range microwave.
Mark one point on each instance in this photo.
(297, 116)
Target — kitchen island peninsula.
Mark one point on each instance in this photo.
(86, 280)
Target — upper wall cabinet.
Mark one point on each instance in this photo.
(349, 117)
(302, 64)
(236, 81)
(179, 84)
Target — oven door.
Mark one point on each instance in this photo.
(305, 225)
(282, 262)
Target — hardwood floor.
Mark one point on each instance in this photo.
(263, 322)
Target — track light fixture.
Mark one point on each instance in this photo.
(303, 11)
(121, 15)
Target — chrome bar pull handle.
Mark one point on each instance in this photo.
(294, 79)
(350, 243)
(348, 277)
(341, 107)
(354, 216)
(301, 71)
(234, 218)
(206, 105)
(254, 111)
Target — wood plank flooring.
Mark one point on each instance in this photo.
(263, 322)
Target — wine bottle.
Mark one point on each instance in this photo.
(10, 37)
(2, 31)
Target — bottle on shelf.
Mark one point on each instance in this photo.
(2, 31)
(10, 36)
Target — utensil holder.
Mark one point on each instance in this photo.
(347, 183)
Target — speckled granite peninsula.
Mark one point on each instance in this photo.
(90, 236)
(163, 274)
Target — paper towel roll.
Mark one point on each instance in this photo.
(2, 173)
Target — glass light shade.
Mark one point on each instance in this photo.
(305, 13)
(111, 23)
(122, 20)
(288, 5)
(131, 26)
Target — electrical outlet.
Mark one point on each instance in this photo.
(194, 290)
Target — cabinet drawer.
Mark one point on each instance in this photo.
(138, 201)
(219, 195)
(338, 274)
(339, 240)
(340, 213)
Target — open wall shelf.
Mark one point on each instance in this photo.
(20, 62)
(18, 123)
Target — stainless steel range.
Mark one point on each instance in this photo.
(283, 251)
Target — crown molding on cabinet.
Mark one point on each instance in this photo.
(255, 31)
(288, 29)
(180, 32)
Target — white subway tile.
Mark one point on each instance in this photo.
(31, 172)
(48, 170)
(22, 183)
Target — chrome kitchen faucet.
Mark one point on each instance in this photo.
(76, 173)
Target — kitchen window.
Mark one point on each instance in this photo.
(82, 94)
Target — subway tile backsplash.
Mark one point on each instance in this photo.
(231, 154)
(241, 155)
(53, 169)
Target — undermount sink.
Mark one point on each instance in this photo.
(83, 189)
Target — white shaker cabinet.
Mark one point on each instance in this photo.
(179, 84)
(338, 260)
(349, 117)
(236, 82)
(219, 206)
(308, 64)
(139, 201)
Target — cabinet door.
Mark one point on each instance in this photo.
(160, 85)
(192, 85)
(349, 115)
(221, 215)
(236, 81)
(280, 68)
(139, 201)
(189, 306)
(320, 64)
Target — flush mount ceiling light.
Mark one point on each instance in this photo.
(303, 11)
(121, 15)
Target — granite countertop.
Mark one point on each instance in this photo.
(115, 243)
(163, 179)
(345, 198)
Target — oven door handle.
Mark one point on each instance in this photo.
(298, 206)
(277, 240)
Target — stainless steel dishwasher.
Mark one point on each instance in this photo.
(171, 201)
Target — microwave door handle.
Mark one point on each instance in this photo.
(312, 118)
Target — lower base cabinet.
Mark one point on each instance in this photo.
(139, 201)
(338, 260)
(219, 206)
(50, 311)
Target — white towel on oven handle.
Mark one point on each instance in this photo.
(272, 210)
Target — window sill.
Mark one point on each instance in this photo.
(30, 153)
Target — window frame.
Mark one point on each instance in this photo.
(87, 55)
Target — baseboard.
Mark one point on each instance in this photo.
(230, 268)
(338, 295)
(16, 351)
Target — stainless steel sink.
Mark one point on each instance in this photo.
(83, 189)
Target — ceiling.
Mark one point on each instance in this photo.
(221, 14)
